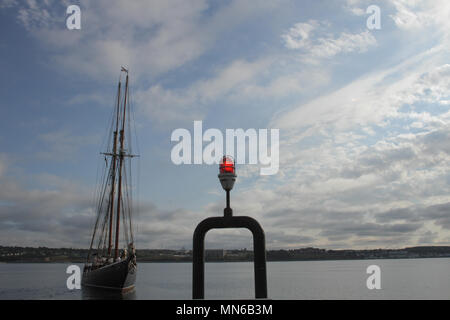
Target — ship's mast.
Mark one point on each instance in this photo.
(113, 172)
(121, 158)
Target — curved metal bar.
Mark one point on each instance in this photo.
(259, 249)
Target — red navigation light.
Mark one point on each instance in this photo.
(227, 165)
(227, 173)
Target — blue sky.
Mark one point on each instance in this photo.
(363, 118)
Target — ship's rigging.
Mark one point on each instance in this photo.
(114, 204)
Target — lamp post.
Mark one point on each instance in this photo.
(227, 177)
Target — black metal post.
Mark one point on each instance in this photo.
(259, 249)
(228, 212)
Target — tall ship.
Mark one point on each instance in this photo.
(111, 261)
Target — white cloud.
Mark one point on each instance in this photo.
(342, 189)
(32, 206)
(62, 145)
(303, 37)
(8, 3)
(238, 81)
(408, 17)
(168, 33)
(352, 172)
(346, 42)
(299, 35)
(85, 98)
(150, 37)
(357, 11)
(415, 15)
(188, 104)
(374, 97)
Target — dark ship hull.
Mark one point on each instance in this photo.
(120, 276)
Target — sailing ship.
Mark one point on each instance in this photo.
(108, 265)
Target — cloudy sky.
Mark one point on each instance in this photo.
(363, 116)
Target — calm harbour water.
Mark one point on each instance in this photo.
(400, 279)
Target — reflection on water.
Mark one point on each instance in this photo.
(88, 293)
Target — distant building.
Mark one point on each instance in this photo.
(214, 254)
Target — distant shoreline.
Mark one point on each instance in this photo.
(227, 261)
(69, 255)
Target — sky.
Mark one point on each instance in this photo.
(363, 116)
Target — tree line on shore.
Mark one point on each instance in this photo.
(44, 254)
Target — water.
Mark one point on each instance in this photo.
(400, 279)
